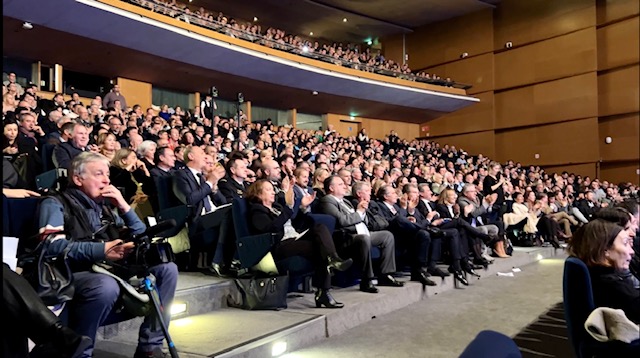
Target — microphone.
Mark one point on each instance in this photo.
(155, 230)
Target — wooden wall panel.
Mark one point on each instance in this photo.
(625, 139)
(376, 128)
(569, 98)
(558, 57)
(476, 71)
(620, 172)
(392, 48)
(619, 44)
(445, 41)
(557, 144)
(612, 10)
(475, 118)
(588, 169)
(618, 91)
(135, 92)
(473, 143)
(522, 22)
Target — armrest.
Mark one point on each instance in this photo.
(251, 249)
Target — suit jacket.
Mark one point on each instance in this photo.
(231, 189)
(262, 220)
(478, 210)
(64, 153)
(398, 222)
(422, 208)
(344, 219)
(443, 211)
(190, 193)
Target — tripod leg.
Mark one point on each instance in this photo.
(155, 301)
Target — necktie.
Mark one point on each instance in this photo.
(203, 182)
(393, 210)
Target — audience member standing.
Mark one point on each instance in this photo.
(113, 96)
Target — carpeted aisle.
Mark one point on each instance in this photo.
(546, 336)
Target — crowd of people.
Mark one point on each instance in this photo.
(348, 55)
(421, 203)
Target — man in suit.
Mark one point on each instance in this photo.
(196, 187)
(166, 160)
(427, 208)
(416, 240)
(64, 153)
(359, 237)
(475, 211)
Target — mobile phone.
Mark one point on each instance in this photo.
(446, 220)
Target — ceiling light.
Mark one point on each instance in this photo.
(311, 33)
(315, 93)
(255, 19)
(344, 20)
(27, 26)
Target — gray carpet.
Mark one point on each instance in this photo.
(546, 336)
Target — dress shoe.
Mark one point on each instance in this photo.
(436, 271)
(217, 270)
(367, 286)
(459, 276)
(474, 266)
(422, 278)
(481, 261)
(388, 280)
(336, 263)
(324, 298)
(471, 272)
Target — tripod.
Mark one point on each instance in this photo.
(147, 283)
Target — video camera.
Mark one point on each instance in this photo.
(149, 252)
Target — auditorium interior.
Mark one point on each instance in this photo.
(548, 87)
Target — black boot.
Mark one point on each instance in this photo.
(335, 262)
(324, 298)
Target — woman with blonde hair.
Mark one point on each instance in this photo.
(107, 145)
(129, 174)
(317, 183)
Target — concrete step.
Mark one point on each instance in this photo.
(230, 332)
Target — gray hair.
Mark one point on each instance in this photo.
(79, 163)
(358, 186)
(144, 147)
(468, 187)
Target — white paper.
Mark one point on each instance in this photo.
(295, 235)
(506, 274)
(9, 246)
(515, 269)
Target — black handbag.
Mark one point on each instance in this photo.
(261, 293)
(50, 275)
(377, 222)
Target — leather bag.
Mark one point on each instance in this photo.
(50, 275)
(261, 293)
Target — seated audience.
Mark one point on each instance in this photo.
(266, 215)
(357, 236)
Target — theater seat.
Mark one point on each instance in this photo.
(491, 344)
(252, 248)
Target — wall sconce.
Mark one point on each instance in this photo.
(608, 140)
(509, 44)
(464, 55)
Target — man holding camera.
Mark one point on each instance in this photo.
(90, 204)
